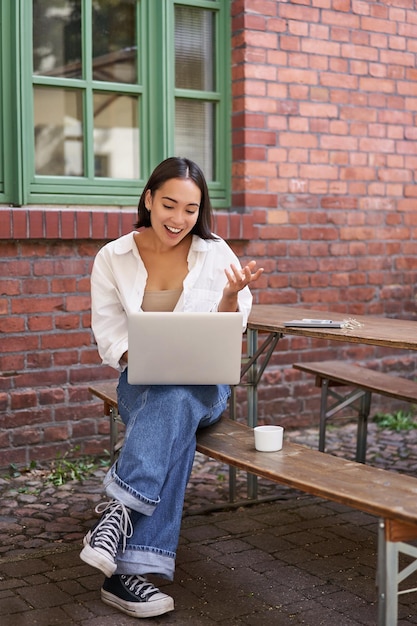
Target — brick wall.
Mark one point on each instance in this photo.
(48, 357)
(324, 161)
(324, 130)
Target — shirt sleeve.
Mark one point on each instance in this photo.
(108, 317)
(244, 297)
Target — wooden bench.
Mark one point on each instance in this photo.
(389, 496)
(331, 374)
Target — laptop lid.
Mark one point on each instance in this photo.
(177, 348)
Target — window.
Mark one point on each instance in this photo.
(105, 89)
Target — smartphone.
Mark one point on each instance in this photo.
(312, 323)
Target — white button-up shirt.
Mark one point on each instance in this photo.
(118, 283)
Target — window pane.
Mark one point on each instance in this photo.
(194, 133)
(114, 48)
(116, 136)
(57, 38)
(58, 132)
(194, 48)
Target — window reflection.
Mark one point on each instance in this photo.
(194, 133)
(114, 49)
(194, 48)
(57, 38)
(58, 132)
(116, 136)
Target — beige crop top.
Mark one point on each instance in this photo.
(161, 300)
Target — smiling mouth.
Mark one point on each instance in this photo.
(175, 231)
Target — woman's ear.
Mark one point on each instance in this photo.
(148, 199)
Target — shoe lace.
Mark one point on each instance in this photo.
(140, 586)
(114, 522)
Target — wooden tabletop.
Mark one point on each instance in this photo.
(378, 331)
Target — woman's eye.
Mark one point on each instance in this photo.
(167, 207)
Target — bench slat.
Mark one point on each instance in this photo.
(380, 492)
(372, 490)
(348, 373)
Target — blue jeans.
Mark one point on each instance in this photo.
(154, 466)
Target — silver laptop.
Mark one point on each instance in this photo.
(177, 348)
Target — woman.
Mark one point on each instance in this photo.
(172, 263)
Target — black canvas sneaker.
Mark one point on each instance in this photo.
(102, 541)
(135, 596)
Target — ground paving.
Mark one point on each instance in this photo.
(292, 560)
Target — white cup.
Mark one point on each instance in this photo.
(268, 438)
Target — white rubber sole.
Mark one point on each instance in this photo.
(139, 609)
(95, 559)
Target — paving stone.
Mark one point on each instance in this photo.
(295, 560)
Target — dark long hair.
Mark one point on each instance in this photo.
(179, 167)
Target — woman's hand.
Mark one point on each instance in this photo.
(236, 281)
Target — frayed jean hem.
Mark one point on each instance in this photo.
(119, 490)
(143, 561)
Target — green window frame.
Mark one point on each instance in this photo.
(2, 61)
(54, 162)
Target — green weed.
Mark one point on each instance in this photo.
(398, 421)
(66, 468)
(15, 471)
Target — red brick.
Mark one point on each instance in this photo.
(27, 437)
(52, 224)
(341, 5)
(13, 456)
(49, 376)
(36, 305)
(68, 224)
(6, 229)
(221, 225)
(48, 451)
(20, 223)
(83, 227)
(10, 363)
(78, 303)
(366, 53)
(23, 399)
(378, 25)
(292, 75)
(296, 12)
(341, 19)
(20, 343)
(37, 286)
(36, 226)
(69, 340)
(128, 218)
(113, 224)
(56, 433)
(12, 324)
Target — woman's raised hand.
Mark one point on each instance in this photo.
(238, 279)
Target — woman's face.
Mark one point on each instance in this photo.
(174, 209)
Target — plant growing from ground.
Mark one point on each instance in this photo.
(68, 467)
(15, 471)
(398, 421)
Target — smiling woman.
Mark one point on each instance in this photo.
(197, 194)
(172, 262)
(173, 211)
(174, 205)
